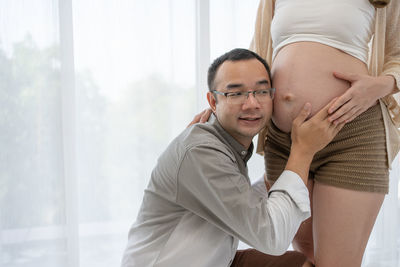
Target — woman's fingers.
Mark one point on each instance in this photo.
(349, 115)
(205, 115)
(339, 102)
(202, 117)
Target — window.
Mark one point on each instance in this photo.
(91, 93)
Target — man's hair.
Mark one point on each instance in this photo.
(236, 54)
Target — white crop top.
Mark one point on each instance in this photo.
(343, 24)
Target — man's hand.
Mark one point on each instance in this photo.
(202, 117)
(310, 136)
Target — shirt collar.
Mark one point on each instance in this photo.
(244, 153)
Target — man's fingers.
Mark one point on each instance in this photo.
(305, 111)
(323, 113)
(339, 127)
(333, 130)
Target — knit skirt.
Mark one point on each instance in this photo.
(356, 158)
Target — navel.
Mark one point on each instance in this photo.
(288, 97)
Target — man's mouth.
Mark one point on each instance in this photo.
(249, 118)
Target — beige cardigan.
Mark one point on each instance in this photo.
(384, 59)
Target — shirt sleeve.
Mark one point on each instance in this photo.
(259, 187)
(211, 186)
(291, 183)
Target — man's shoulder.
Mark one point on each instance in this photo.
(202, 134)
(198, 143)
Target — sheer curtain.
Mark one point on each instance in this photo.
(91, 93)
(33, 215)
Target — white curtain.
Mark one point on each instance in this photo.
(91, 92)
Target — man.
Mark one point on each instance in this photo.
(200, 203)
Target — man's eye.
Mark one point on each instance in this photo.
(263, 92)
(237, 94)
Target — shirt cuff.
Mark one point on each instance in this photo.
(291, 183)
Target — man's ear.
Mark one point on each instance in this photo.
(212, 101)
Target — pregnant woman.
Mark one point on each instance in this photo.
(319, 50)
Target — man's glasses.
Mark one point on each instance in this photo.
(238, 98)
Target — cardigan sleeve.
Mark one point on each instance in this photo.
(261, 42)
(391, 60)
(262, 45)
(391, 65)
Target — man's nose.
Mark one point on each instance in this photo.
(251, 102)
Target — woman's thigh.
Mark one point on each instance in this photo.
(342, 222)
(303, 240)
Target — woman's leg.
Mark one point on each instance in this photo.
(303, 240)
(342, 219)
(342, 223)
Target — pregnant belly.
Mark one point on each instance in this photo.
(303, 72)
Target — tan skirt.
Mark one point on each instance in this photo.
(355, 159)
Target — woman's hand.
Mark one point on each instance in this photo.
(363, 93)
(202, 117)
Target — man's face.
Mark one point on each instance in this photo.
(242, 121)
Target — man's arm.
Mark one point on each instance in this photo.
(308, 137)
(211, 186)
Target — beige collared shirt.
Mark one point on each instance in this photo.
(200, 203)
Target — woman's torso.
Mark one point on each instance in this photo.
(302, 71)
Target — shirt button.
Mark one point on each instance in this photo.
(243, 152)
